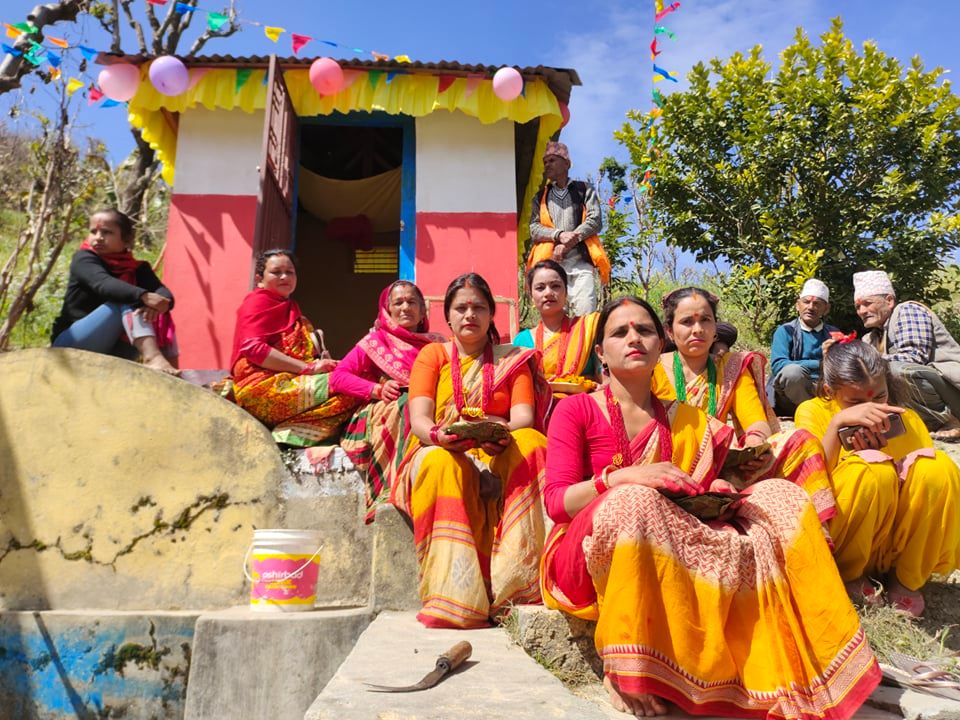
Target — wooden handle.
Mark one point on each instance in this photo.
(458, 653)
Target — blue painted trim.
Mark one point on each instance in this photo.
(408, 181)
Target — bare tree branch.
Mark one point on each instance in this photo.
(116, 46)
(12, 69)
(226, 31)
(137, 27)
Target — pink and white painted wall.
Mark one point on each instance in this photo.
(466, 220)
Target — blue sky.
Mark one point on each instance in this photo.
(607, 42)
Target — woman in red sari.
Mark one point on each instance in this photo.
(731, 389)
(477, 517)
(740, 617)
(377, 372)
(278, 374)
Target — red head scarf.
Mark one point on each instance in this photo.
(391, 347)
(261, 314)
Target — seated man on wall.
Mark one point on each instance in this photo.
(796, 350)
(920, 349)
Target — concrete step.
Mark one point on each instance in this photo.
(267, 666)
(499, 680)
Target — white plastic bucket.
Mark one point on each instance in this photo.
(284, 570)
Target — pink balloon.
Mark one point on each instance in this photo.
(507, 84)
(564, 114)
(169, 75)
(119, 82)
(326, 76)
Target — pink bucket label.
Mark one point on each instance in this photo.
(284, 578)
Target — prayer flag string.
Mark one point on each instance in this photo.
(649, 131)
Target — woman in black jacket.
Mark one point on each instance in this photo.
(115, 304)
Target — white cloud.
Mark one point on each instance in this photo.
(614, 60)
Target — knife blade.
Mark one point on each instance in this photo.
(446, 664)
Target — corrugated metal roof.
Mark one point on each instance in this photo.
(560, 80)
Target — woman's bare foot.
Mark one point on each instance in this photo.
(903, 599)
(637, 705)
(159, 362)
(862, 591)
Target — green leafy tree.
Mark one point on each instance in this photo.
(840, 160)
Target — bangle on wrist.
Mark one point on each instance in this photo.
(600, 481)
(435, 435)
(376, 392)
(759, 433)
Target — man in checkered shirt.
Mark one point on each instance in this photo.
(919, 347)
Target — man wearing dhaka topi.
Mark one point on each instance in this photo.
(919, 348)
(565, 222)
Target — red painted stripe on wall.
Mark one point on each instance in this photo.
(207, 265)
(449, 244)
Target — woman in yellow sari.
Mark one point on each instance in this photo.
(565, 343)
(477, 517)
(744, 616)
(731, 389)
(897, 518)
(278, 374)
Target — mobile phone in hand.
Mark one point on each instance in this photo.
(897, 429)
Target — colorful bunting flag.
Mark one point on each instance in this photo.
(374, 77)
(53, 58)
(109, 103)
(94, 95)
(183, 8)
(54, 73)
(445, 82)
(390, 76)
(661, 30)
(331, 43)
(653, 50)
(10, 50)
(273, 32)
(215, 21)
(12, 32)
(298, 41)
(243, 74)
(403, 59)
(666, 75)
(471, 86)
(24, 27)
(657, 98)
(58, 42)
(73, 85)
(89, 54)
(673, 7)
(157, 2)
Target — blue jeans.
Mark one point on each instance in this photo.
(99, 332)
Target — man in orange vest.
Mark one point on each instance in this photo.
(566, 214)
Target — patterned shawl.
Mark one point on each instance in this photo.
(391, 347)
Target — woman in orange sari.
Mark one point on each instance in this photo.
(477, 517)
(743, 616)
(278, 375)
(731, 389)
(565, 343)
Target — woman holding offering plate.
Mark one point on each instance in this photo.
(471, 473)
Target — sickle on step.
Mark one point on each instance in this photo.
(446, 664)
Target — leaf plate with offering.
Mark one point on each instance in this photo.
(738, 456)
(479, 430)
(707, 506)
(572, 384)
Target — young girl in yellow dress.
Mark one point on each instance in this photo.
(897, 500)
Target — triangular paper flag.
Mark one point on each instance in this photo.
(11, 50)
(243, 74)
(390, 76)
(183, 8)
(157, 2)
(471, 86)
(273, 32)
(215, 21)
(35, 56)
(403, 59)
(350, 77)
(53, 58)
(24, 27)
(58, 42)
(54, 73)
(298, 41)
(73, 85)
(374, 77)
(93, 95)
(445, 82)
(196, 75)
(108, 103)
(88, 53)
(12, 32)
(331, 43)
